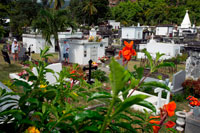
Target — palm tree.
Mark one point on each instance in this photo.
(58, 3)
(50, 22)
(90, 9)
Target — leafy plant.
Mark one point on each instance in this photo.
(64, 106)
(99, 75)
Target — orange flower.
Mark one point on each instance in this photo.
(170, 108)
(169, 124)
(155, 128)
(128, 51)
(72, 72)
(33, 130)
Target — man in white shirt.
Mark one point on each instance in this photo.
(66, 51)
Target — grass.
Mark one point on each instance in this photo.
(6, 69)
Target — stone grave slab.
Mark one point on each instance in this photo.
(192, 124)
(178, 79)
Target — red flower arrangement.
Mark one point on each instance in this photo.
(23, 74)
(103, 59)
(193, 101)
(167, 110)
(127, 52)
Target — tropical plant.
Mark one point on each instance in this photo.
(50, 22)
(64, 106)
(89, 8)
(58, 3)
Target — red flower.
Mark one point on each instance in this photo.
(170, 108)
(72, 72)
(169, 124)
(128, 51)
(155, 128)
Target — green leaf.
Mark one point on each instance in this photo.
(90, 128)
(21, 83)
(165, 64)
(147, 105)
(118, 77)
(32, 78)
(149, 58)
(87, 115)
(99, 95)
(158, 55)
(156, 84)
(13, 111)
(33, 101)
(129, 102)
(125, 126)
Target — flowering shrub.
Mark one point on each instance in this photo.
(193, 101)
(192, 86)
(65, 106)
(103, 59)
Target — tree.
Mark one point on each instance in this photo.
(50, 22)
(22, 14)
(58, 3)
(89, 9)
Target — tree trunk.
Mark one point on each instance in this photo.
(59, 50)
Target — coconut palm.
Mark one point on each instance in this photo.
(90, 9)
(58, 3)
(50, 22)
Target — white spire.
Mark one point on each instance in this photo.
(186, 21)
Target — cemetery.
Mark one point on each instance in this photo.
(83, 66)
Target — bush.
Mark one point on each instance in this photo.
(192, 87)
(99, 75)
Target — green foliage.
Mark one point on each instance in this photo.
(153, 12)
(50, 22)
(57, 107)
(22, 14)
(99, 75)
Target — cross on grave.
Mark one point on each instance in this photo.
(90, 68)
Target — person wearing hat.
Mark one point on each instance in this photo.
(15, 50)
(66, 51)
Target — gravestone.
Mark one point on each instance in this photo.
(5, 56)
(90, 68)
(22, 53)
(178, 79)
(50, 77)
(192, 124)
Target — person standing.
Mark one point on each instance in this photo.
(66, 51)
(15, 50)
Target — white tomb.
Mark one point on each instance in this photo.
(81, 51)
(37, 42)
(132, 33)
(50, 77)
(169, 49)
(164, 30)
(186, 26)
(115, 25)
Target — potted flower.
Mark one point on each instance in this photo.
(194, 103)
(24, 75)
(103, 59)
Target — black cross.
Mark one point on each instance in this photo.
(90, 68)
